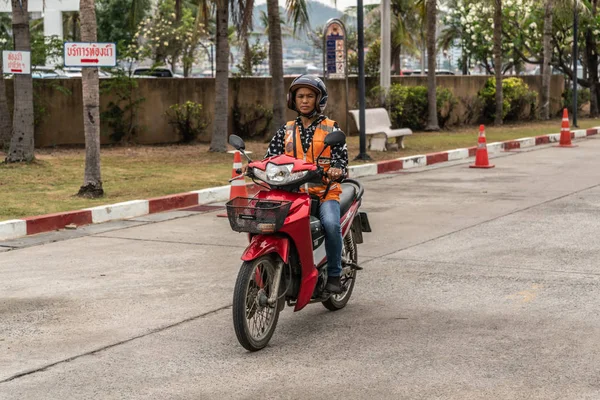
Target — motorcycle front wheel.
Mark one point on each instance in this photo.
(254, 320)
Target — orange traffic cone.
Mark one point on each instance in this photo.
(238, 186)
(565, 131)
(481, 157)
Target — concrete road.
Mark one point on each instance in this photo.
(478, 284)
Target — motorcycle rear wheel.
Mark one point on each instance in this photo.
(254, 321)
(338, 301)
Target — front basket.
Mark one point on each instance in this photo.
(257, 215)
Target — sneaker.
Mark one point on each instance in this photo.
(333, 285)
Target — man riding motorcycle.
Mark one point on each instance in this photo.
(303, 139)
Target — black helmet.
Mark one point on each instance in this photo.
(311, 82)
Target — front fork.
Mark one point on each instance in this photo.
(272, 301)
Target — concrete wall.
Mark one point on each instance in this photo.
(63, 124)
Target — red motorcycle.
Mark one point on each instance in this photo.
(286, 260)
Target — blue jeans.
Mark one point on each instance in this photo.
(330, 218)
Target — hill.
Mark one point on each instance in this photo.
(318, 14)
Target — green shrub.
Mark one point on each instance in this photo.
(409, 105)
(583, 97)
(518, 102)
(187, 119)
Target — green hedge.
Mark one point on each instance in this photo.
(409, 105)
(519, 103)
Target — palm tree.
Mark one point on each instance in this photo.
(21, 145)
(92, 180)
(297, 13)
(243, 23)
(591, 59)
(5, 120)
(546, 70)
(240, 13)
(404, 21)
(276, 62)
(421, 32)
(219, 138)
(432, 120)
(286, 31)
(498, 59)
(71, 24)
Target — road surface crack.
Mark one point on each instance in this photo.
(110, 346)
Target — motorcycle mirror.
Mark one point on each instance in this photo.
(335, 138)
(237, 142)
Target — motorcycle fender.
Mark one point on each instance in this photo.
(357, 228)
(261, 245)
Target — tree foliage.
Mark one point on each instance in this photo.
(166, 40)
(118, 19)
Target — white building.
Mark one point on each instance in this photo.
(52, 13)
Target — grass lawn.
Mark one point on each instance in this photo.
(49, 184)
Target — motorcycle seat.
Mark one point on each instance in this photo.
(347, 197)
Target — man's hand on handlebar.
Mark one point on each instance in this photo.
(335, 173)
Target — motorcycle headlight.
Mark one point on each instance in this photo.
(279, 175)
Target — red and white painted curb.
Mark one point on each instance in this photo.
(460, 154)
(17, 228)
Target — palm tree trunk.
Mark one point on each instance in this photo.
(92, 180)
(396, 57)
(75, 20)
(21, 145)
(177, 10)
(432, 119)
(276, 62)
(423, 52)
(546, 70)
(5, 120)
(247, 56)
(591, 56)
(498, 60)
(220, 133)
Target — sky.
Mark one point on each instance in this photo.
(341, 4)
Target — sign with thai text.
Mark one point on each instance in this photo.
(16, 62)
(335, 49)
(79, 54)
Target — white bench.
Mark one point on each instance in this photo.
(378, 127)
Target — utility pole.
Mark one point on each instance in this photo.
(361, 83)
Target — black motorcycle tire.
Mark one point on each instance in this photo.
(240, 306)
(335, 303)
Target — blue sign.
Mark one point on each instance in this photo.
(335, 50)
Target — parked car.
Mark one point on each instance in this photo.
(158, 72)
(75, 72)
(437, 72)
(43, 72)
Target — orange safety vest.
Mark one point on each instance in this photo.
(323, 129)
